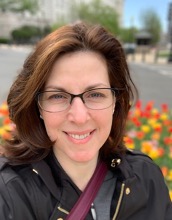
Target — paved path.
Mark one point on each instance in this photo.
(11, 61)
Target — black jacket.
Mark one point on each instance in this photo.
(41, 191)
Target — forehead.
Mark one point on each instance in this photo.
(79, 69)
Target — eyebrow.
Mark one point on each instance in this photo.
(59, 88)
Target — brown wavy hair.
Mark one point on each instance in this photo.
(31, 142)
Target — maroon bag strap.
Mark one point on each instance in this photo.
(83, 205)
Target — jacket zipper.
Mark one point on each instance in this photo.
(119, 201)
(62, 210)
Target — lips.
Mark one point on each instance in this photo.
(78, 137)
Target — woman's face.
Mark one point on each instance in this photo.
(78, 132)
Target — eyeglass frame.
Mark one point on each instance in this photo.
(114, 90)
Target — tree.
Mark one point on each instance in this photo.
(97, 12)
(151, 23)
(19, 5)
(26, 34)
(128, 34)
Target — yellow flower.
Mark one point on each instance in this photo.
(130, 146)
(4, 106)
(156, 125)
(169, 177)
(154, 154)
(164, 116)
(145, 128)
(154, 111)
(152, 121)
(146, 147)
(129, 143)
(170, 154)
(156, 136)
(2, 131)
(137, 112)
(170, 192)
(7, 127)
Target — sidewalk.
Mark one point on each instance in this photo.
(16, 47)
(149, 58)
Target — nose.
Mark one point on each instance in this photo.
(78, 112)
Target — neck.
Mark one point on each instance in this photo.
(80, 173)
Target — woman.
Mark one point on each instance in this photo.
(70, 104)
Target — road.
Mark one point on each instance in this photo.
(11, 61)
(154, 82)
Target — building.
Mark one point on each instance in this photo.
(54, 10)
(50, 11)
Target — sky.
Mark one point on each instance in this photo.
(133, 9)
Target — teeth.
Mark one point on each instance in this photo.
(79, 137)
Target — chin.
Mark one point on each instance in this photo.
(84, 157)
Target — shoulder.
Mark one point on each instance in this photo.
(144, 169)
(136, 156)
(9, 173)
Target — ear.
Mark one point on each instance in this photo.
(114, 107)
(40, 112)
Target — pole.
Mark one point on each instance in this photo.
(170, 52)
(170, 31)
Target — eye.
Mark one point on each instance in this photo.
(95, 94)
(57, 96)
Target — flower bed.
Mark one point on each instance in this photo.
(148, 130)
(5, 124)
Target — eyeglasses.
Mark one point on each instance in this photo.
(57, 101)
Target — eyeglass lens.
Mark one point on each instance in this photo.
(54, 101)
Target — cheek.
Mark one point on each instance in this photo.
(52, 125)
(104, 119)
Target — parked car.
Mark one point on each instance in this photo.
(129, 48)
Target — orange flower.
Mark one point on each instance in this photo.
(164, 107)
(146, 114)
(156, 136)
(146, 146)
(167, 122)
(136, 121)
(161, 151)
(149, 106)
(129, 142)
(168, 140)
(170, 129)
(6, 135)
(164, 170)
(6, 121)
(4, 110)
(155, 113)
(140, 134)
(139, 104)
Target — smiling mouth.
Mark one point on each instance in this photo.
(79, 137)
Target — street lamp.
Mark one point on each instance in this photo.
(170, 31)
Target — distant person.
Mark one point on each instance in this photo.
(70, 104)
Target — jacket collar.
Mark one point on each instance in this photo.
(45, 173)
(3, 162)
